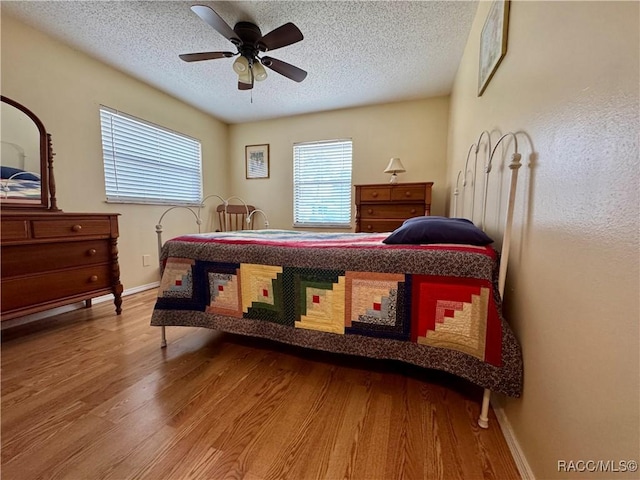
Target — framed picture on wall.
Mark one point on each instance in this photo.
(257, 161)
(493, 42)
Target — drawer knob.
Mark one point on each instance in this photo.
(374, 194)
(370, 210)
(413, 210)
(407, 193)
(369, 227)
(76, 228)
(91, 252)
(93, 278)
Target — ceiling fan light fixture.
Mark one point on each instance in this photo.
(250, 42)
(259, 73)
(245, 77)
(241, 65)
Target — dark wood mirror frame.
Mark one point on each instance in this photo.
(47, 183)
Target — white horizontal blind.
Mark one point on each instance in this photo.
(322, 184)
(145, 163)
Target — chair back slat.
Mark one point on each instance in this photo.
(234, 217)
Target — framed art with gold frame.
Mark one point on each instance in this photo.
(493, 42)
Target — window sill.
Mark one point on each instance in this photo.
(322, 225)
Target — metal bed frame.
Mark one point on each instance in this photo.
(475, 148)
(198, 220)
(514, 166)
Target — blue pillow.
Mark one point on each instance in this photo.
(425, 230)
(8, 172)
(420, 219)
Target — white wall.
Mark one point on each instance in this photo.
(569, 84)
(415, 131)
(65, 88)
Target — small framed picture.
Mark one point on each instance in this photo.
(257, 161)
(493, 42)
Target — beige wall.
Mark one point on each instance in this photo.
(569, 83)
(414, 131)
(65, 88)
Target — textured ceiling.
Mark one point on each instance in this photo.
(356, 52)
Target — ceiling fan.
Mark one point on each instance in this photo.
(250, 42)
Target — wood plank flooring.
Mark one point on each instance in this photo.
(90, 395)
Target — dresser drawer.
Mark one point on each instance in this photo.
(408, 192)
(369, 194)
(38, 258)
(50, 259)
(69, 227)
(396, 210)
(22, 292)
(372, 226)
(383, 207)
(15, 230)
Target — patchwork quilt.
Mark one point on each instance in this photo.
(435, 306)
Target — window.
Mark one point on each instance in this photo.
(145, 163)
(322, 184)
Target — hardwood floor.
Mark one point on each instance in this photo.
(90, 395)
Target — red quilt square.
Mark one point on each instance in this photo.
(456, 313)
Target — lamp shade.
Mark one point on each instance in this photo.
(245, 77)
(395, 166)
(241, 65)
(259, 73)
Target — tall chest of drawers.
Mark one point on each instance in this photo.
(383, 207)
(53, 259)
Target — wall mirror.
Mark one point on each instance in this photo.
(26, 159)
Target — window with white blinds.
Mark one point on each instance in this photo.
(322, 184)
(145, 163)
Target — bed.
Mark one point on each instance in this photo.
(19, 185)
(435, 305)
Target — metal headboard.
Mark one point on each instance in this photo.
(471, 170)
(514, 166)
(5, 185)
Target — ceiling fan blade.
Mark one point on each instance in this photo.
(245, 86)
(282, 36)
(212, 18)
(283, 68)
(197, 57)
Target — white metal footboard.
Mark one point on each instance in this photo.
(198, 219)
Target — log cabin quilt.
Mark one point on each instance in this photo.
(435, 306)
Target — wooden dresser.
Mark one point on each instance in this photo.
(53, 259)
(383, 207)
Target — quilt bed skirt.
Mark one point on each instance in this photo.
(434, 306)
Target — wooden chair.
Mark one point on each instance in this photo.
(234, 217)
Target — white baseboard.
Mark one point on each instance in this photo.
(128, 291)
(518, 455)
(73, 306)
